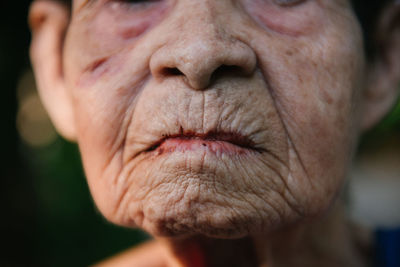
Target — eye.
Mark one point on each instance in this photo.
(138, 1)
(288, 2)
(130, 5)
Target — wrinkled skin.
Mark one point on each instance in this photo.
(286, 79)
(223, 128)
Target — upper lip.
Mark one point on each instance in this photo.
(230, 137)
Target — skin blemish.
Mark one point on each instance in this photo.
(289, 52)
(135, 31)
(96, 64)
(327, 98)
(93, 71)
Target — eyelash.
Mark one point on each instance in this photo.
(143, 3)
(278, 2)
(287, 2)
(132, 4)
(138, 1)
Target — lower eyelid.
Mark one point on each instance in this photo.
(129, 21)
(287, 2)
(291, 20)
(127, 4)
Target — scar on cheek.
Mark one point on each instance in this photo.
(135, 31)
(93, 71)
(96, 64)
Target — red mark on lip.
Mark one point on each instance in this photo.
(216, 142)
(189, 144)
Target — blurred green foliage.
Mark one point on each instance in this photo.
(392, 120)
(48, 216)
(70, 231)
(388, 127)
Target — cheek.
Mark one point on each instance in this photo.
(315, 84)
(101, 37)
(101, 131)
(315, 75)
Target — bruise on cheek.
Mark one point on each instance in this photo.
(98, 68)
(138, 26)
(92, 72)
(297, 20)
(95, 65)
(130, 21)
(111, 30)
(134, 31)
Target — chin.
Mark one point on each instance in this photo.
(204, 219)
(182, 194)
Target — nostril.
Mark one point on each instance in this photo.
(171, 72)
(226, 70)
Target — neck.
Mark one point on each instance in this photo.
(324, 242)
(210, 252)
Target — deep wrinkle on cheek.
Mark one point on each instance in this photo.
(300, 19)
(101, 68)
(93, 71)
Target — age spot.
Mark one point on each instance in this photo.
(289, 52)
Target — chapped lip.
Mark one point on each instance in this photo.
(233, 138)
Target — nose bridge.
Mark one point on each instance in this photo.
(200, 44)
(198, 24)
(203, 12)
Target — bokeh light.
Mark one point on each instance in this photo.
(33, 123)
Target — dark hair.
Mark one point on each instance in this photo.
(368, 12)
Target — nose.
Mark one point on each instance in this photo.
(200, 51)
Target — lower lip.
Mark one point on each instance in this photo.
(186, 145)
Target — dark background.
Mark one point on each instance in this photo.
(47, 215)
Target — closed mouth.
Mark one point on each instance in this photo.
(232, 138)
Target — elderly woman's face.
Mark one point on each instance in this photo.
(214, 117)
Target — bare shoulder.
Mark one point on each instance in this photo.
(149, 254)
